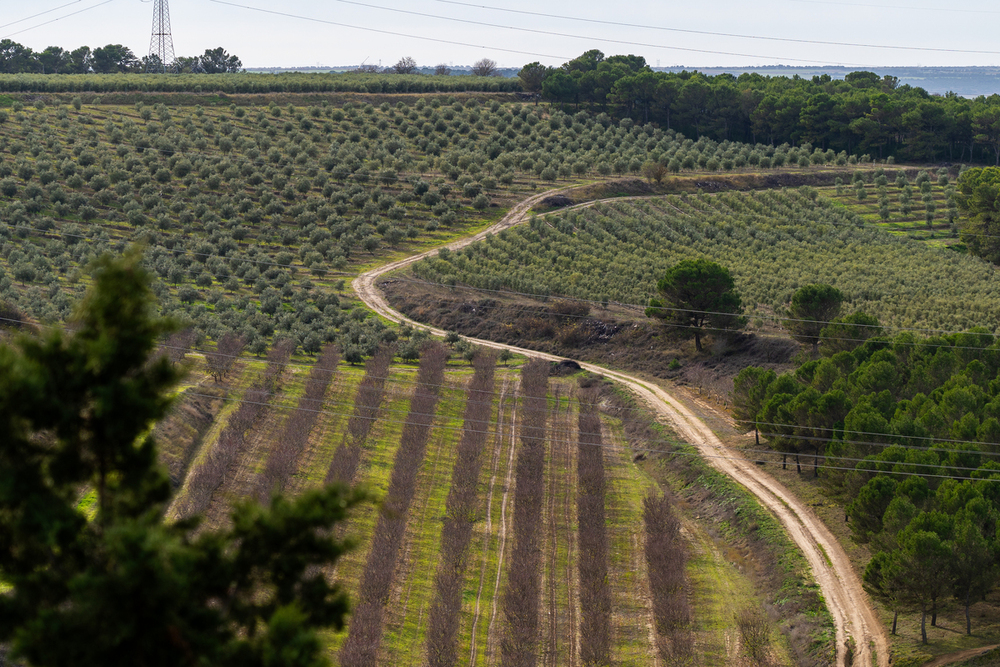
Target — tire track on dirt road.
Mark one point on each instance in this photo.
(506, 396)
(852, 613)
(492, 638)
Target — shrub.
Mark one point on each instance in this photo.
(755, 633)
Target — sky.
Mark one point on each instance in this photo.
(299, 33)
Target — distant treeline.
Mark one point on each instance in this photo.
(863, 113)
(17, 58)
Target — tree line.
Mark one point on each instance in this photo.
(864, 113)
(16, 58)
(407, 65)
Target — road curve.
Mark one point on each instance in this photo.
(849, 606)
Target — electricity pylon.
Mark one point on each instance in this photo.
(161, 44)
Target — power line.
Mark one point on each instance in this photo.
(843, 431)
(494, 394)
(887, 435)
(673, 325)
(383, 410)
(542, 55)
(570, 430)
(664, 440)
(398, 380)
(807, 438)
(666, 324)
(589, 38)
(65, 16)
(834, 431)
(902, 464)
(760, 423)
(33, 16)
(702, 32)
(506, 291)
(384, 32)
(898, 7)
(346, 274)
(776, 318)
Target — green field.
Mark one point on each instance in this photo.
(893, 200)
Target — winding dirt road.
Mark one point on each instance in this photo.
(852, 613)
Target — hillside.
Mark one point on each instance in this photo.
(452, 453)
(510, 494)
(773, 242)
(252, 216)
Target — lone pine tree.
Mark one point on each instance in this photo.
(127, 586)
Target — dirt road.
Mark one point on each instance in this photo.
(852, 613)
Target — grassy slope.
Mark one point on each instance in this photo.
(406, 617)
(373, 474)
(376, 472)
(914, 225)
(631, 622)
(484, 572)
(239, 380)
(329, 432)
(240, 482)
(560, 604)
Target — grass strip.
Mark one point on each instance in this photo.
(256, 403)
(298, 426)
(460, 515)
(364, 638)
(367, 401)
(666, 560)
(595, 594)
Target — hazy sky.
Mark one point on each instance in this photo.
(261, 39)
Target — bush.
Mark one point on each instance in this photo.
(410, 351)
(653, 171)
(755, 633)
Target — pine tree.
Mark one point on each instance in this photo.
(126, 586)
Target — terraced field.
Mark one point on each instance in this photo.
(904, 201)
